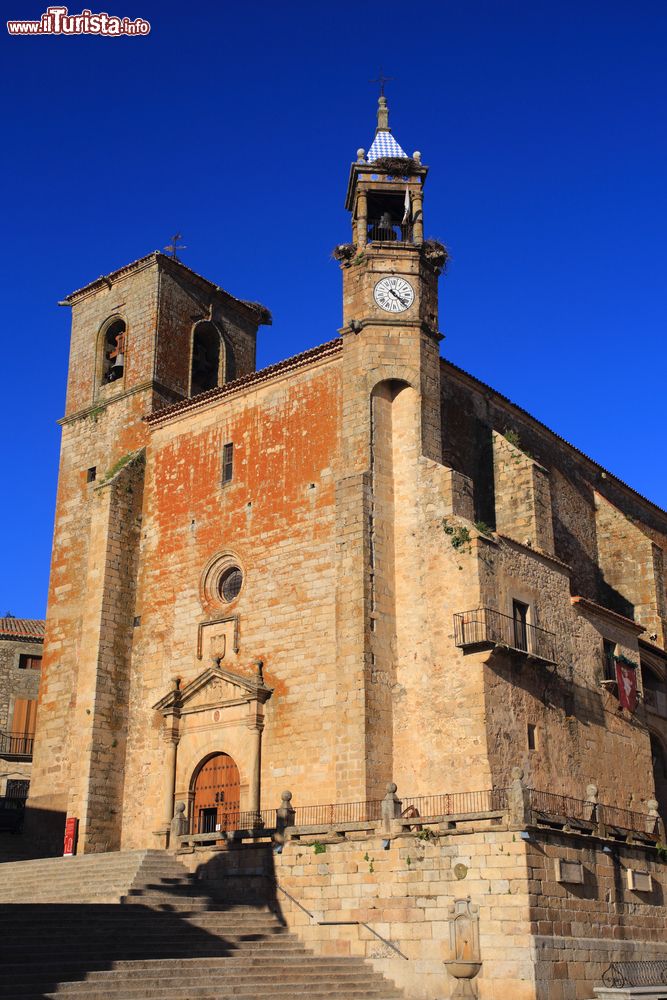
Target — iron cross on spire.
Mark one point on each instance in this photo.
(172, 247)
(381, 79)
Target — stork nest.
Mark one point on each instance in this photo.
(396, 166)
(436, 254)
(344, 252)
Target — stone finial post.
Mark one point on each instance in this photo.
(656, 822)
(518, 800)
(285, 815)
(383, 115)
(391, 809)
(179, 825)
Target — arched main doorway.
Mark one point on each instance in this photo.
(216, 794)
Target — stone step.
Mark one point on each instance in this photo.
(186, 990)
(185, 993)
(187, 966)
(132, 916)
(168, 949)
(139, 926)
(239, 977)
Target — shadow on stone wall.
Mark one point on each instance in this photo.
(73, 941)
(38, 833)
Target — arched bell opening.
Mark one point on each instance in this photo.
(207, 358)
(111, 350)
(215, 795)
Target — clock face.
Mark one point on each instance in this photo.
(394, 294)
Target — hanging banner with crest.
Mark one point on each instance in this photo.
(626, 678)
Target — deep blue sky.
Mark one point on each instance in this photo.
(544, 128)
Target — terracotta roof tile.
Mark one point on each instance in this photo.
(21, 628)
(263, 375)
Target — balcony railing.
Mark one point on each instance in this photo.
(338, 812)
(15, 745)
(486, 627)
(393, 232)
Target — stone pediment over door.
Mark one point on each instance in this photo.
(214, 688)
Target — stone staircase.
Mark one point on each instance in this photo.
(137, 924)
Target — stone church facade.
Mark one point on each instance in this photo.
(358, 566)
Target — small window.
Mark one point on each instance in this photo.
(227, 463)
(27, 662)
(532, 736)
(230, 584)
(609, 654)
(113, 367)
(91, 474)
(17, 788)
(520, 616)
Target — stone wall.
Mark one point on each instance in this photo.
(275, 520)
(579, 928)
(540, 938)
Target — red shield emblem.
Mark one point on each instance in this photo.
(626, 677)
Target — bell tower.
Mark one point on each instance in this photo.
(391, 444)
(390, 275)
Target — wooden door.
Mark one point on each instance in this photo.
(217, 795)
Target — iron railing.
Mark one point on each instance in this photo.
(626, 819)
(17, 788)
(549, 807)
(15, 745)
(649, 973)
(454, 803)
(487, 627)
(248, 820)
(338, 812)
(394, 232)
(562, 808)
(544, 808)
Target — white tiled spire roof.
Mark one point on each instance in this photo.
(384, 144)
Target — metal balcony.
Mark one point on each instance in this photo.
(390, 232)
(486, 628)
(16, 745)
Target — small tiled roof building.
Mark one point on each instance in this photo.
(21, 642)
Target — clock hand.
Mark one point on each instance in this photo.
(397, 296)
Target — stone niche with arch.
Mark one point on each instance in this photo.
(219, 712)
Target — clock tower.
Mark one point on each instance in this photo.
(391, 451)
(390, 276)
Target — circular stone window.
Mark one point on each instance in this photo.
(222, 581)
(229, 585)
